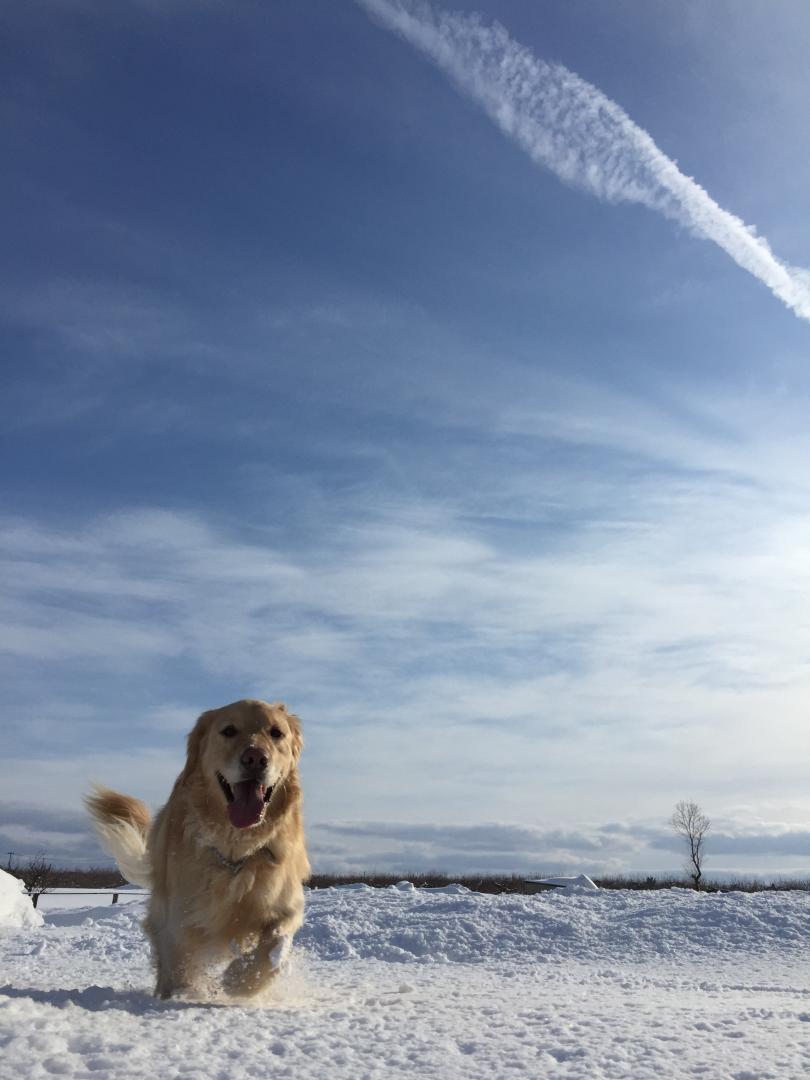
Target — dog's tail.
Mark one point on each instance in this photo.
(122, 824)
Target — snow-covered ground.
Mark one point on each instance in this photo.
(443, 983)
(68, 899)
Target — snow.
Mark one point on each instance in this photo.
(408, 982)
(16, 908)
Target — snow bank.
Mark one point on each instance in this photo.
(16, 910)
(435, 926)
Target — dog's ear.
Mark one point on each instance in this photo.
(295, 734)
(194, 747)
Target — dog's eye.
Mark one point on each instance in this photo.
(276, 733)
(228, 731)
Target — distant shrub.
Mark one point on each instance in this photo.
(104, 877)
(93, 877)
(486, 883)
(517, 883)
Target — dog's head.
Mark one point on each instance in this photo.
(239, 755)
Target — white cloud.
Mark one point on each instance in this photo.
(569, 127)
(554, 639)
(672, 592)
(432, 656)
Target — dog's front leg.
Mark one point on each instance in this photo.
(174, 959)
(251, 972)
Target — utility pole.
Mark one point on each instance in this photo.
(11, 855)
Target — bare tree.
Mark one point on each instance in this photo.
(689, 821)
(37, 877)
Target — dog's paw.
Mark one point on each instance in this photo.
(248, 974)
(280, 952)
(241, 977)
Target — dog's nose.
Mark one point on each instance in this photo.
(254, 758)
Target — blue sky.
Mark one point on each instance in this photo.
(317, 387)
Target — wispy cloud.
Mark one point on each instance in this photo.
(547, 629)
(419, 582)
(631, 635)
(101, 323)
(571, 128)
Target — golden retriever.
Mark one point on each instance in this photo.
(225, 858)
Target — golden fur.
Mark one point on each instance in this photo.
(215, 886)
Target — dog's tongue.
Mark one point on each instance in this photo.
(247, 805)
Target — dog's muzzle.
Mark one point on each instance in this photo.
(246, 800)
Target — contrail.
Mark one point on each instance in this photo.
(568, 126)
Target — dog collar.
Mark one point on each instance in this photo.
(235, 867)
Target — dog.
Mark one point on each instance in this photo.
(225, 858)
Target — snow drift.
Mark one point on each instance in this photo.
(16, 909)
